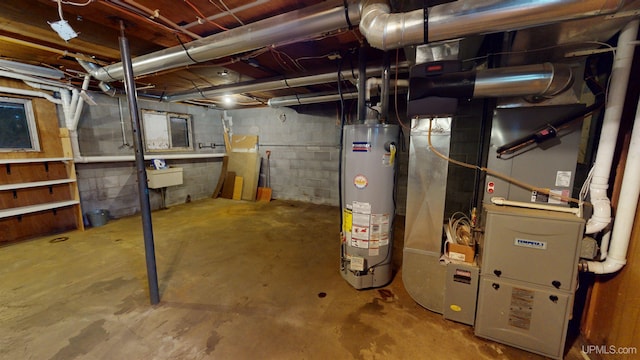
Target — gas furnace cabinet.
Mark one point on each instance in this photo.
(529, 260)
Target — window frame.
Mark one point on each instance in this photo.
(163, 141)
(31, 123)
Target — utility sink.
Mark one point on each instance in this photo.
(162, 178)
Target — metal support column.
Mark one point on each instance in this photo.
(143, 190)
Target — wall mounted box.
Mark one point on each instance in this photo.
(161, 178)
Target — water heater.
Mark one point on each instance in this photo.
(368, 175)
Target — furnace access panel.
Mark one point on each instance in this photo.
(528, 275)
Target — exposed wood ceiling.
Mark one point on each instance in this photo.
(153, 25)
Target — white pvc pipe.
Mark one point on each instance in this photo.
(503, 201)
(25, 92)
(604, 245)
(23, 77)
(73, 135)
(627, 207)
(80, 104)
(124, 158)
(611, 124)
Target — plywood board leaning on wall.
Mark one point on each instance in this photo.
(246, 165)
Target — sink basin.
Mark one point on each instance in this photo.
(161, 178)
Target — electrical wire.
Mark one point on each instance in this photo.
(281, 57)
(459, 229)
(528, 51)
(76, 4)
(504, 177)
(202, 17)
(227, 10)
(60, 10)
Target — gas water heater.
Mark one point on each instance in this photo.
(368, 208)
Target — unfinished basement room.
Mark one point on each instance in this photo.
(319, 179)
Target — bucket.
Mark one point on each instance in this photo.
(98, 217)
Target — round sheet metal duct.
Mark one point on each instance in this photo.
(387, 31)
(536, 80)
(285, 28)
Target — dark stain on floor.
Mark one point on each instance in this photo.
(92, 335)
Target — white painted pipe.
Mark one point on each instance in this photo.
(80, 104)
(124, 158)
(23, 77)
(505, 202)
(78, 158)
(375, 81)
(9, 90)
(604, 244)
(627, 207)
(611, 124)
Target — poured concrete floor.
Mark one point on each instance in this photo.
(238, 280)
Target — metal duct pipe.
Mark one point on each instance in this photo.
(307, 22)
(387, 31)
(384, 88)
(293, 100)
(362, 84)
(310, 99)
(538, 80)
(269, 84)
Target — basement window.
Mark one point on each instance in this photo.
(18, 130)
(167, 131)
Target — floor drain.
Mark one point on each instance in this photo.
(59, 239)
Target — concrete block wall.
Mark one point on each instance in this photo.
(464, 146)
(304, 145)
(113, 185)
(304, 161)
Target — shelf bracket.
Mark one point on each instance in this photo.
(8, 169)
(46, 167)
(15, 194)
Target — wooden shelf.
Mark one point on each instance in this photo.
(35, 184)
(5, 213)
(31, 160)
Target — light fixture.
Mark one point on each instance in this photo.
(63, 29)
(223, 73)
(228, 100)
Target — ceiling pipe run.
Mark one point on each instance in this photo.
(382, 30)
(271, 84)
(387, 31)
(528, 80)
(285, 28)
(293, 100)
